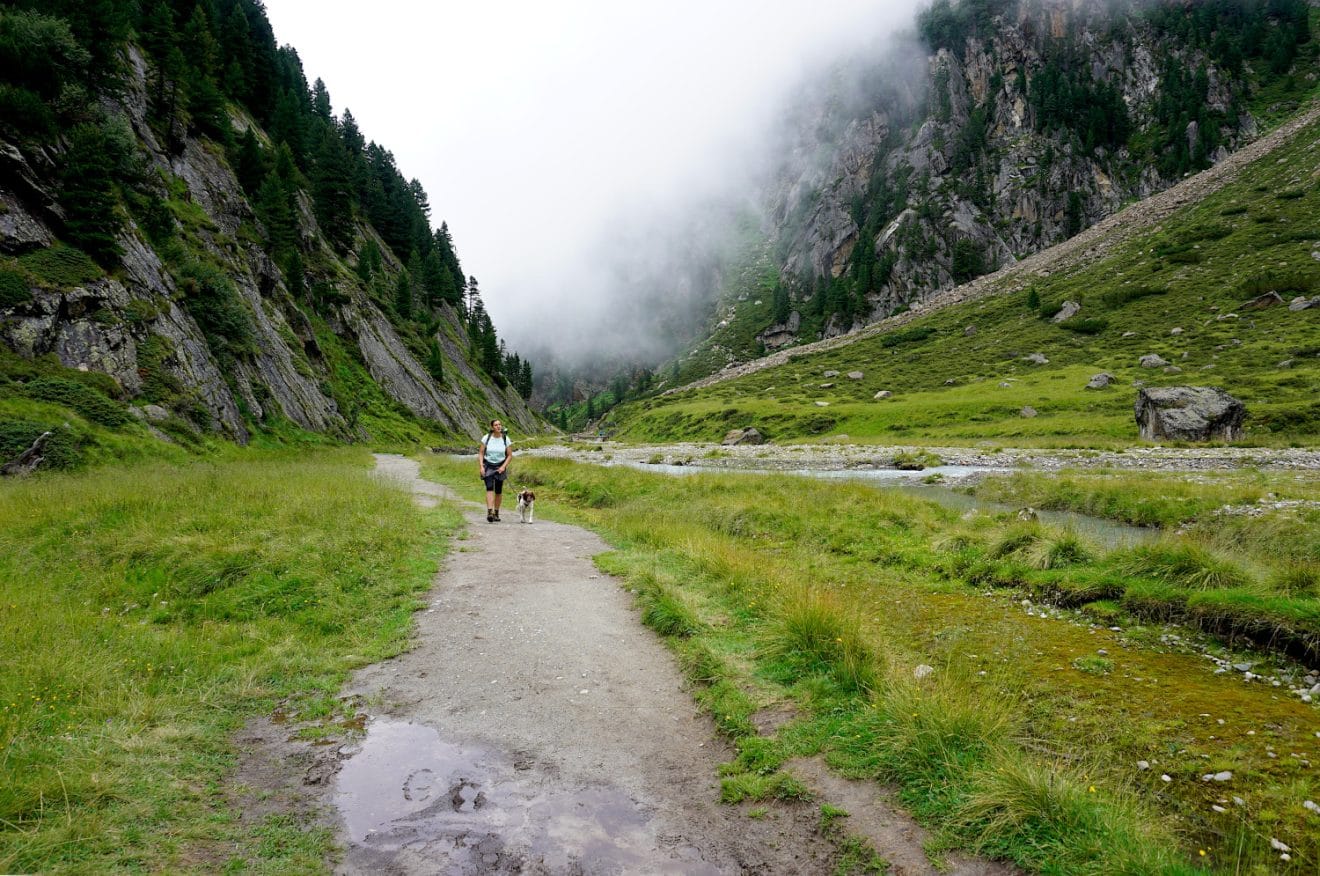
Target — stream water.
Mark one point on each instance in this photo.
(1106, 533)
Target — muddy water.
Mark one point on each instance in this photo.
(409, 791)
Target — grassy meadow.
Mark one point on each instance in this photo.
(147, 611)
(1023, 737)
(955, 385)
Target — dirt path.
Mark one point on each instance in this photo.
(537, 727)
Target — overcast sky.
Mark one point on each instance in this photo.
(536, 126)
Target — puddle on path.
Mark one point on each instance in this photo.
(409, 795)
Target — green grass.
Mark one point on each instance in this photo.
(173, 603)
(1144, 286)
(1023, 743)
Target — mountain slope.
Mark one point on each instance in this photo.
(1011, 127)
(230, 284)
(1187, 259)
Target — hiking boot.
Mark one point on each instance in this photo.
(497, 515)
(490, 516)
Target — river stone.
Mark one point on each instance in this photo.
(1100, 381)
(1036, 359)
(1260, 302)
(855, 375)
(1153, 360)
(743, 436)
(884, 393)
(1189, 413)
(1067, 311)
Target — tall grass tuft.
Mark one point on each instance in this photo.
(1183, 564)
(1050, 817)
(816, 633)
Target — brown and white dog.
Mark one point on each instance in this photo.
(526, 503)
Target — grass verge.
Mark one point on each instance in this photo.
(155, 609)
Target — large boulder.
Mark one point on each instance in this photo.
(1189, 413)
(1067, 311)
(744, 436)
(1100, 381)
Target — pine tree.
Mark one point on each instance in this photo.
(417, 270)
(91, 218)
(250, 163)
(525, 384)
(294, 276)
(435, 363)
(274, 208)
(403, 297)
(332, 191)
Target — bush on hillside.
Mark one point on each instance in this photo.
(87, 402)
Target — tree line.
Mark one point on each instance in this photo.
(206, 56)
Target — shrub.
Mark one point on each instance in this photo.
(1086, 326)
(915, 460)
(213, 301)
(1270, 281)
(87, 402)
(1116, 298)
(61, 266)
(14, 289)
(906, 336)
(62, 450)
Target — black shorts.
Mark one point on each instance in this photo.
(494, 479)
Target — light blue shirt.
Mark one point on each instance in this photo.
(496, 448)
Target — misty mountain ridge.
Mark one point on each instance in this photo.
(192, 244)
(996, 130)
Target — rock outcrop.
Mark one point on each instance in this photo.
(1189, 413)
(139, 324)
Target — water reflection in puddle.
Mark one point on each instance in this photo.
(407, 792)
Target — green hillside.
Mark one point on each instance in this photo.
(959, 375)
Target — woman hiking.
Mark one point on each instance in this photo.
(493, 465)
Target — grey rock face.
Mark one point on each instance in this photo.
(1189, 413)
(743, 436)
(1153, 360)
(1100, 381)
(135, 325)
(1068, 311)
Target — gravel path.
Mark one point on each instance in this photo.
(537, 727)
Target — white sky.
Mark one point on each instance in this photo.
(536, 126)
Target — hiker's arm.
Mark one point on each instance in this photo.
(481, 460)
(508, 456)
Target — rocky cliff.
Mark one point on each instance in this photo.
(205, 328)
(1012, 127)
